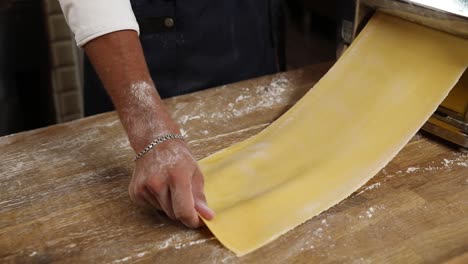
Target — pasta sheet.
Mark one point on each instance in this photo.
(338, 136)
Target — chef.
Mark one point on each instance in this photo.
(139, 51)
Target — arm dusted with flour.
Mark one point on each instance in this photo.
(168, 176)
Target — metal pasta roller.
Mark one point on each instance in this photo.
(450, 121)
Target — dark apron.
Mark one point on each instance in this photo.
(193, 45)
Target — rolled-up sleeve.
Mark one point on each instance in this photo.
(89, 19)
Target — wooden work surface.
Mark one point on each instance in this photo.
(64, 192)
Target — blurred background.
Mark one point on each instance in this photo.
(40, 65)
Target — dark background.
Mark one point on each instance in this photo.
(25, 97)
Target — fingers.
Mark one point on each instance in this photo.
(136, 195)
(163, 196)
(150, 199)
(199, 197)
(142, 198)
(154, 194)
(182, 198)
(173, 183)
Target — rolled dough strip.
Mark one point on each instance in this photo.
(347, 128)
(457, 100)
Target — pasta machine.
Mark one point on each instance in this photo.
(450, 121)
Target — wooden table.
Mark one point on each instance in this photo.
(64, 192)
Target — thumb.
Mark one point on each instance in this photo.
(204, 211)
(201, 205)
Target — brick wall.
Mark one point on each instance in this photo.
(66, 66)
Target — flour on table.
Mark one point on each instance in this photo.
(187, 118)
(240, 98)
(412, 169)
(269, 95)
(370, 212)
(318, 232)
(125, 259)
(183, 132)
(370, 187)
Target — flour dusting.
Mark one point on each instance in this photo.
(412, 169)
(192, 243)
(370, 212)
(447, 162)
(112, 123)
(243, 104)
(183, 132)
(370, 187)
(142, 254)
(142, 92)
(324, 222)
(240, 98)
(318, 232)
(185, 119)
(122, 260)
(174, 242)
(460, 159)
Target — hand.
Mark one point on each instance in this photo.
(169, 179)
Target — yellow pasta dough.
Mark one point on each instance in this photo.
(347, 128)
(457, 100)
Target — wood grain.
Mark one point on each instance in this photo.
(64, 192)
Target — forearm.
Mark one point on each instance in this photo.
(119, 61)
(169, 179)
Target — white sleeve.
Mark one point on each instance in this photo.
(89, 19)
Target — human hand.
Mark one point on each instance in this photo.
(169, 179)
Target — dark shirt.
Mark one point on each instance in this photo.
(193, 45)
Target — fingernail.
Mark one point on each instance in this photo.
(205, 211)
